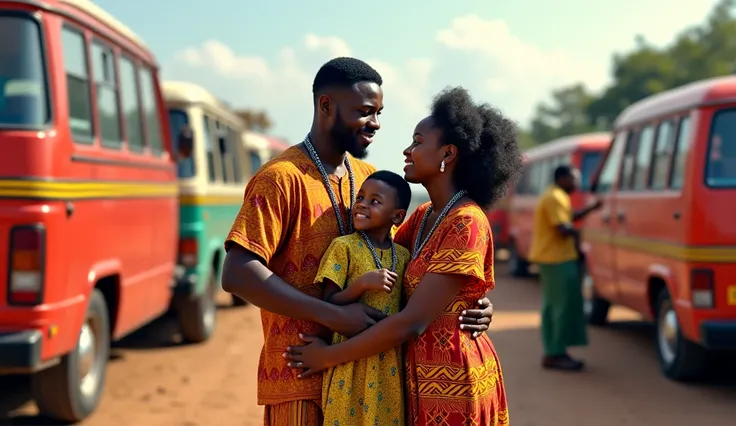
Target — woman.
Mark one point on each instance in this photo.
(465, 155)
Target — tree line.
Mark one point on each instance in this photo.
(702, 51)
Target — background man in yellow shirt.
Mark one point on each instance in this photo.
(555, 250)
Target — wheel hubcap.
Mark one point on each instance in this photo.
(667, 331)
(87, 350)
(588, 294)
(210, 308)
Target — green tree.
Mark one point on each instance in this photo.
(704, 51)
(567, 114)
(255, 120)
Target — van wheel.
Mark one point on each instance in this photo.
(595, 308)
(71, 390)
(679, 358)
(237, 301)
(198, 314)
(518, 267)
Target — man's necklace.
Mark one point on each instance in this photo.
(419, 246)
(326, 179)
(376, 258)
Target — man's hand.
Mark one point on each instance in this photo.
(350, 320)
(378, 280)
(477, 321)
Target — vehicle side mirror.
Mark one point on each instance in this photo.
(185, 142)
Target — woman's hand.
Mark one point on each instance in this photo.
(312, 357)
(476, 321)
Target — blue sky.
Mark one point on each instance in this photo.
(511, 54)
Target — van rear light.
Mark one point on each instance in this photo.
(701, 288)
(188, 252)
(26, 265)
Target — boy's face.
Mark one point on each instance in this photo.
(376, 206)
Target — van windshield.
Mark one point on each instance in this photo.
(177, 120)
(588, 166)
(720, 171)
(23, 97)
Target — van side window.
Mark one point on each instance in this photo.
(131, 105)
(24, 98)
(151, 110)
(721, 160)
(225, 154)
(643, 159)
(255, 161)
(663, 151)
(207, 137)
(627, 168)
(609, 172)
(521, 188)
(108, 113)
(535, 178)
(682, 148)
(233, 142)
(77, 85)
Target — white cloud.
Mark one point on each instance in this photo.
(482, 55)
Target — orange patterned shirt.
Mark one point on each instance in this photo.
(288, 220)
(453, 380)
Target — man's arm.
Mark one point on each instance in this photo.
(245, 275)
(580, 214)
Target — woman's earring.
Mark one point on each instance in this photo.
(442, 166)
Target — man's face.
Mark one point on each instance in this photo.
(571, 182)
(354, 117)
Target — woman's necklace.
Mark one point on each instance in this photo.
(326, 179)
(417, 246)
(376, 258)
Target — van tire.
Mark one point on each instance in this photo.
(679, 358)
(58, 390)
(595, 308)
(198, 313)
(518, 267)
(237, 301)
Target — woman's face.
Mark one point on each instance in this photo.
(424, 156)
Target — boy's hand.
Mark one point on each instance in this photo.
(378, 280)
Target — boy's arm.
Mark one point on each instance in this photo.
(346, 296)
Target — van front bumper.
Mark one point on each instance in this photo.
(718, 334)
(20, 351)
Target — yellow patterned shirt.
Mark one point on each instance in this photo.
(369, 391)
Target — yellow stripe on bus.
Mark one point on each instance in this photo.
(688, 253)
(84, 189)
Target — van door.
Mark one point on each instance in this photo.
(600, 225)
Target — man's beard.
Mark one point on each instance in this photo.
(346, 140)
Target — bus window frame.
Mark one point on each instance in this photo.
(50, 115)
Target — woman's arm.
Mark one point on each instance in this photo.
(431, 297)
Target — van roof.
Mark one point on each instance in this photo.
(682, 98)
(568, 143)
(190, 93)
(95, 11)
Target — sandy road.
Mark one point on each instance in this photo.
(153, 381)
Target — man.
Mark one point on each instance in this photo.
(555, 250)
(285, 225)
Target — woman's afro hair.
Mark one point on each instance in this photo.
(489, 159)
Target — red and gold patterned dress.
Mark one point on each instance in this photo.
(451, 378)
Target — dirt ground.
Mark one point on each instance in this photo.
(154, 381)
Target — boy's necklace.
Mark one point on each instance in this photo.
(377, 259)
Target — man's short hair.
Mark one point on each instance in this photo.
(562, 172)
(344, 72)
